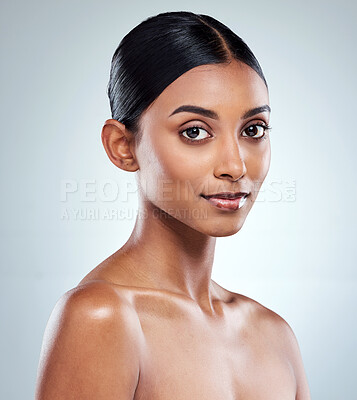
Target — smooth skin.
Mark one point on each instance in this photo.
(149, 322)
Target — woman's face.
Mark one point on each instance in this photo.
(174, 172)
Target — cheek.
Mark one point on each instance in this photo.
(265, 160)
(258, 166)
(185, 168)
(181, 162)
(170, 169)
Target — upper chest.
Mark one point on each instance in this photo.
(185, 356)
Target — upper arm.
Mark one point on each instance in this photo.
(285, 340)
(90, 347)
(295, 358)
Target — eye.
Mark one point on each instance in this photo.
(194, 134)
(257, 131)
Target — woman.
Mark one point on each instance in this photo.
(190, 115)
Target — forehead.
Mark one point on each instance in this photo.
(216, 86)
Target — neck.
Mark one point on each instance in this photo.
(165, 253)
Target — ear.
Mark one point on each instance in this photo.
(118, 143)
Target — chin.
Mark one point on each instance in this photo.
(223, 233)
(221, 230)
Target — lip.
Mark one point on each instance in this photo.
(226, 195)
(224, 202)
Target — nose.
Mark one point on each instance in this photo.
(230, 163)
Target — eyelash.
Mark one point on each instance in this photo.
(267, 128)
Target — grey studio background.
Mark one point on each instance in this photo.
(60, 213)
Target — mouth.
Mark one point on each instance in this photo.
(227, 200)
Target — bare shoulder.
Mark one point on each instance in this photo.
(91, 346)
(279, 334)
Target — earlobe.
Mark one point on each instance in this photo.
(116, 141)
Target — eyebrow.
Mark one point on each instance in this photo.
(212, 114)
